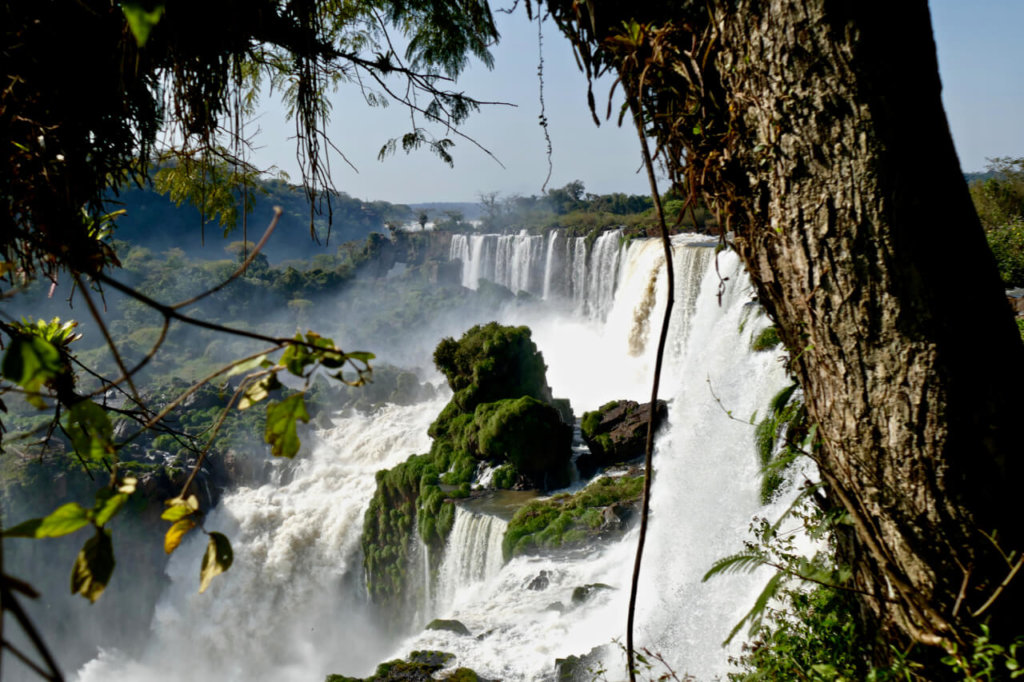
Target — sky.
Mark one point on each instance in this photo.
(981, 62)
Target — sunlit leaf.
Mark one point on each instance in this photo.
(179, 508)
(140, 20)
(217, 559)
(296, 358)
(108, 504)
(29, 362)
(176, 533)
(90, 430)
(128, 484)
(64, 520)
(281, 418)
(247, 366)
(258, 391)
(93, 567)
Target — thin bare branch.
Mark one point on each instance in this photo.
(241, 269)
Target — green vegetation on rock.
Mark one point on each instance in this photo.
(569, 521)
(501, 414)
(492, 362)
(420, 666)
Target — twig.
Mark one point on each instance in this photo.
(106, 335)
(11, 604)
(999, 590)
(635, 105)
(241, 269)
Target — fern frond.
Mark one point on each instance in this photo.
(756, 614)
(781, 399)
(744, 562)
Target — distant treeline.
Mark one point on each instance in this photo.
(153, 220)
(574, 208)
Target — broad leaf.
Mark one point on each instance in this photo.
(281, 418)
(360, 355)
(141, 21)
(93, 567)
(108, 504)
(179, 508)
(90, 430)
(217, 559)
(29, 362)
(176, 533)
(247, 366)
(258, 391)
(64, 520)
(296, 358)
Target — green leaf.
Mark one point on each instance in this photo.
(247, 366)
(108, 504)
(93, 567)
(217, 559)
(744, 562)
(281, 418)
(176, 533)
(756, 613)
(258, 392)
(360, 355)
(90, 430)
(30, 362)
(64, 520)
(140, 20)
(179, 508)
(296, 358)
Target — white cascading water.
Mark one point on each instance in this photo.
(473, 555)
(705, 488)
(291, 607)
(551, 266)
(292, 604)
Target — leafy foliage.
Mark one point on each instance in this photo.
(780, 438)
(999, 201)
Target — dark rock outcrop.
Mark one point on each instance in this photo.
(616, 432)
(454, 626)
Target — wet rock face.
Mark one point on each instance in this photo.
(617, 431)
(540, 582)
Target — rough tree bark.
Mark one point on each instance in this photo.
(816, 127)
(859, 233)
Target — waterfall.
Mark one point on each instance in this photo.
(473, 554)
(538, 265)
(704, 496)
(295, 588)
(292, 607)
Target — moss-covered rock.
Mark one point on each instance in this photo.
(420, 666)
(492, 362)
(454, 626)
(585, 668)
(584, 593)
(616, 432)
(501, 414)
(571, 521)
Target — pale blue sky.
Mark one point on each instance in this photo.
(981, 60)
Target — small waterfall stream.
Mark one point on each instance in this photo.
(473, 554)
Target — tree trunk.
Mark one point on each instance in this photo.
(858, 231)
(816, 127)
